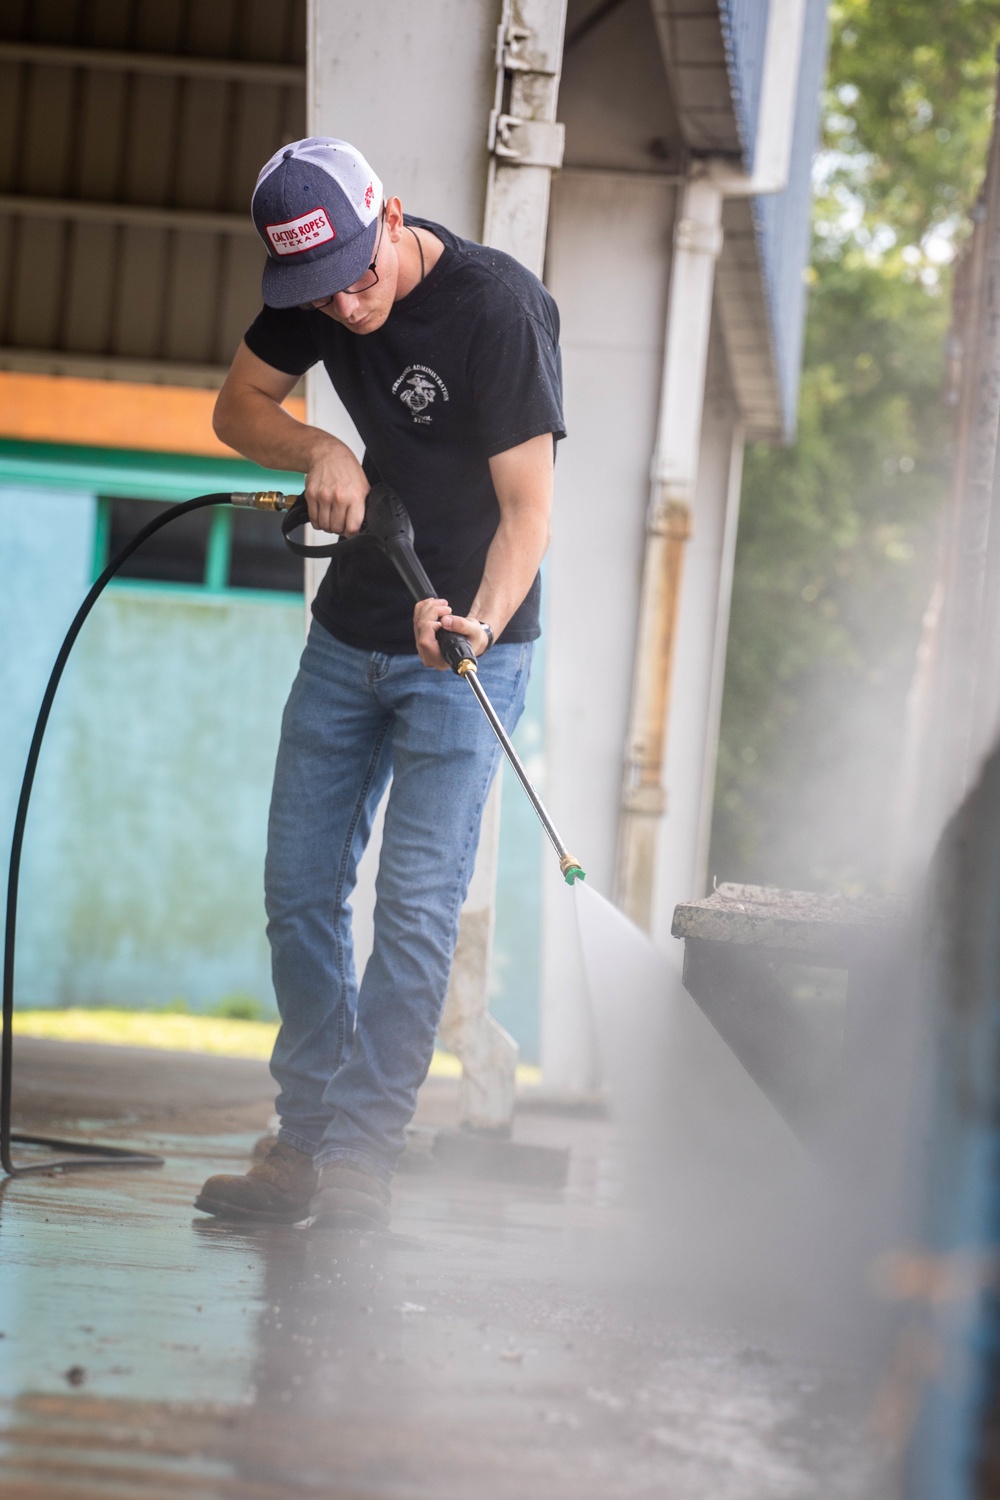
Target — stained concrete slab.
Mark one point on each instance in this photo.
(67, 1081)
(491, 1346)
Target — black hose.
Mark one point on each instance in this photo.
(82, 1155)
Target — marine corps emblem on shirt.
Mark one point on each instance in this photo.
(418, 387)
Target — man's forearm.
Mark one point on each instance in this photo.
(512, 561)
(255, 424)
(264, 432)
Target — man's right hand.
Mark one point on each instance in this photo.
(250, 418)
(336, 488)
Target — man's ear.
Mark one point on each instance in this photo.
(394, 217)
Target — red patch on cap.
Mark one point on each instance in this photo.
(304, 233)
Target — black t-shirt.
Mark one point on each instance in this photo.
(465, 367)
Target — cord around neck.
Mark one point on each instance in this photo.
(420, 248)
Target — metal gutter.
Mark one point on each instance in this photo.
(41, 54)
(113, 367)
(145, 216)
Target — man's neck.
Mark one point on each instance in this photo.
(418, 252)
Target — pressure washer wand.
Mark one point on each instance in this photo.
(570, 867)
(387, 522)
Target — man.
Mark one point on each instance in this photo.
(446, 355)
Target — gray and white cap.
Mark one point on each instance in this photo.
(316, 207)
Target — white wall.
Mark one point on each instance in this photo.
(415, 98)
(411, 86)
(608, 266)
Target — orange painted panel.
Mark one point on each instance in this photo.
(113, 414)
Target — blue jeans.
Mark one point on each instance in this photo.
(349, 1062)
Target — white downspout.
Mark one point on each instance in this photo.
(698, 243)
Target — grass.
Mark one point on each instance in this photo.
(225, 1036)
(139, 1028)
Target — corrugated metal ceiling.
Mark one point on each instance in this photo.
(131, 132)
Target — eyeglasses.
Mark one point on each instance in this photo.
(365, 284)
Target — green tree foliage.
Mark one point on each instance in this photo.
(837, 541)
(907, 110)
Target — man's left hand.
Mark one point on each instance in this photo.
(432, 615)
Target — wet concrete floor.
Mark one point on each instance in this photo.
(486, 1348)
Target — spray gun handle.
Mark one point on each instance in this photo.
(386, 520)
(388, 524)
(455, 649)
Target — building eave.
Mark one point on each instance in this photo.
(693, 46)
(747, 325)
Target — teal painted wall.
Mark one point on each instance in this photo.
(167, 738)
(142, 877)
(46, 547)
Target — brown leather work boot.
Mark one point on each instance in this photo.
(349, 1196)
(276, 1190)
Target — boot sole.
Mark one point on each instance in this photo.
(346, 1221)
(347, 1205)
(223, 1210)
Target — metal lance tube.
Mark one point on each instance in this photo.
(570, 867)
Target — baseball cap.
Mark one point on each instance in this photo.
(316, 207)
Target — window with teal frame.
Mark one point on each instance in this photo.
(237, 554)
(214, 550)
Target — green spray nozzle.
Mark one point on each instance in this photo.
(571, 870)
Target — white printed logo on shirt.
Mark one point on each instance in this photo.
(420, 387)
(303, 233)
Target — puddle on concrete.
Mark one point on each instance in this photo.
(101, 1272)
(471, 1351)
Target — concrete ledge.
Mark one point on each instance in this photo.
(803, 922)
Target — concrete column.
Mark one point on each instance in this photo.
(412, 87)
(525, 144)
(380, 86)
(454, 105)
(489, 1054)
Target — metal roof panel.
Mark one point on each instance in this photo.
(130, 139)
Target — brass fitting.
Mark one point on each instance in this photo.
(464, 666)
(568, 862)
(262, 500)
